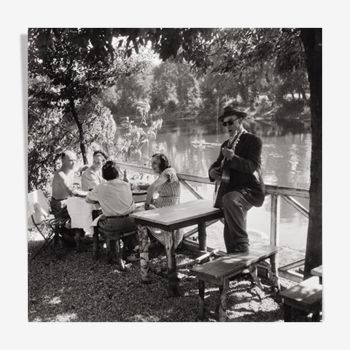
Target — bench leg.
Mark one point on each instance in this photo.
(57, 236)
(287, 313)
(316, 316)
(274, 273)
(200, 312)
(202, 237)
(171, 262)
(254, 273)
(119, 254)
(95, 248)
(144, 257)
(223, 301)
(111, 249)
(77, 237)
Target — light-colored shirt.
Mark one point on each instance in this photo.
(91, 178)
(114, 196)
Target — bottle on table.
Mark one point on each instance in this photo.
(125, 177)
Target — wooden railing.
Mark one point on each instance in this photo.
(276, 193)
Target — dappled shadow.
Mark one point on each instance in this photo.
(76, 288)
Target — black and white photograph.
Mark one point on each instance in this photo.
(174, 174)
(171, 161)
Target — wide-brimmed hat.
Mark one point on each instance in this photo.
(230, 111)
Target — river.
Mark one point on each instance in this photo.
(285, 162)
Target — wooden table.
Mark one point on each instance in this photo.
(317, 271)
(170, 219)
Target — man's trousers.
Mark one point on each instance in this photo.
(235, 206)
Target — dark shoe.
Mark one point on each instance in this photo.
(241, 247)
(132, 257)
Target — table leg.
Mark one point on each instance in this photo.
(202, 237)
(171, 261)
(144, 257)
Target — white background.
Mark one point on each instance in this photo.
(17, 17)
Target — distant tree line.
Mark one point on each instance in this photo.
(173, 91)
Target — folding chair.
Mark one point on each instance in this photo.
(38, 215)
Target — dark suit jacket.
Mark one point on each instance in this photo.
(245, 175)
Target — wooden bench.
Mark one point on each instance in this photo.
(305, 296)
(221, 270)
(318, 271)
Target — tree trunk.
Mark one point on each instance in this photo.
(312, 41)
(243, 89)
(303, 93)
(80, 129)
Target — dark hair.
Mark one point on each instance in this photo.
(62, 155)
(164, 162)
(110, 170)
(99, 152)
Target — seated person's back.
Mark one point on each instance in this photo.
(115, 199)
(114, 196)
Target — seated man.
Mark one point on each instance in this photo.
(62, 185)
(62, 188)
(92, 176)
(115, 199)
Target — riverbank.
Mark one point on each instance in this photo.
(78, 289)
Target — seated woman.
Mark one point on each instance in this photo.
(92, 176)
(115, 199)
(168, 187)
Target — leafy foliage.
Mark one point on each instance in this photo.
(68, 69)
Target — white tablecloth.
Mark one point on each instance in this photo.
(80, 213)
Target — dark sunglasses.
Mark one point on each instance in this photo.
(230, 122)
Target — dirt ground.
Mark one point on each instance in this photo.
(75, 288)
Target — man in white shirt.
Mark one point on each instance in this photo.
(115, 199)
(93, 175)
